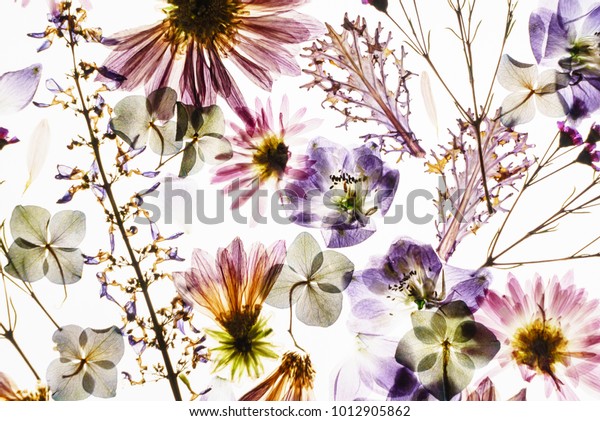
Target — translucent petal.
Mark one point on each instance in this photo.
(280, 293)
(67, 342)
(335, 272)
(552, 105)
(316, 307)
(132, 120)
(304, 255)
(213, 121)
(104, 345)
(67, 229)
(65, 382)
(30, 223)
(64, 266)
(214, 150)
(26, 264)
(105, 379)
(162, 139)
(411, 350)
(17, 88)
(516, 76)
(190, 164)
(37, 151)
(162, 103)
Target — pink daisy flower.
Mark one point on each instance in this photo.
(547, 329)
(262, 153)
(186, 50)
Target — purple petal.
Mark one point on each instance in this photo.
(17, 88)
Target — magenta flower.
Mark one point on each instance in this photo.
(547, 329)
(262, 152)
(186, 49)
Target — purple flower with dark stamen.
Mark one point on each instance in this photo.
(570, 37)
(410, 276)
(347, 189)
(186, 50)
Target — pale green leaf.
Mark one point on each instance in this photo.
(30, 223)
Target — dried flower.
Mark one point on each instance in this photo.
(232, 290)
(366, 93)
(348, 189)
(186, 50)
(262, 155)
(547, 329)
(10, 392)
(291, 381)
(461, 194)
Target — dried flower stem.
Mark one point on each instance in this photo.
(8, 334)
(107, 185)
(566, 209)
(466, 34)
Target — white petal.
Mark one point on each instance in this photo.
(37, 151)
(516, 76)
(518, 108)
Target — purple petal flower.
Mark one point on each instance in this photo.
(568, 136)
(410, 276)
(345, 191)
(5, 139)
(570, 38)
(130, 310)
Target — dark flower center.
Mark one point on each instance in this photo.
(540, 346)
(271, 158)
(207, 21)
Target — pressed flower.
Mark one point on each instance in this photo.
(409, 277)
(46, 247)
(5, 139)
(10, 392)
(291, 381)
(568, 136)
(461, 195)
(589, 156)
(232, 290)
(370, 371)
(569, 36)
(444, 348)
(345, 192)
(186, 50)
(313, 280)
(262, 152)
(203, 140)
(87, 364)
(141, 120)
(528, 90)
(594, 134)
(365, 81)
(547, 329)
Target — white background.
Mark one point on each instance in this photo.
(327, 347)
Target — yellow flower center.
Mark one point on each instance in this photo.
(207, 21)
(271, 158)
(540, 345)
